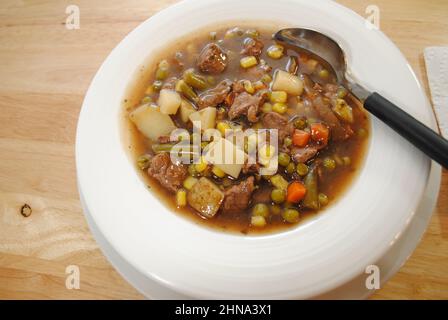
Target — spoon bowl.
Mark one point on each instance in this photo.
(331, 56)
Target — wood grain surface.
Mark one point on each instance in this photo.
(45, 71)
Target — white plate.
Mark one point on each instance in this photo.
(307, 261)
(388, 264)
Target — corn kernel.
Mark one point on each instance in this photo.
(218, 172)
(279, 108)
(248, 62)
(266, 107)
(275, 51)
(266, 79)
(189, 182)
(201, 166)
(222, 127)
(278, 96)
(248, 87)
(181, 198)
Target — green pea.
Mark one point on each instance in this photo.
(324, 73)
(323, 199)
(290, 168)
(278, 196)
(300, 123)
(291, 215)
(144, 161)
(329, 164)
(283, 159)
(342, 92)
(162, 73)
(287, 142)
(157, 85)
(347, 161)
(302, 169)
(362, 133)
(260, 209)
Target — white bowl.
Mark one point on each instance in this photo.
(306, 261)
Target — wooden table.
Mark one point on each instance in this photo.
(45, 70)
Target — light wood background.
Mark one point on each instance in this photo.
(45, 71)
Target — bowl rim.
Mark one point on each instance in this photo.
(84, 179)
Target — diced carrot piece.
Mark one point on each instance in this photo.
(320, 132)
(295, 192)
(300, 138)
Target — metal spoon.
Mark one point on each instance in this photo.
(326, 51)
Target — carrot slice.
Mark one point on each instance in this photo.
(300, 138)
(320, 132)
(295, 192)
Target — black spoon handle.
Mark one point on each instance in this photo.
(408, 127)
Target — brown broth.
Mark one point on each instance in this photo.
(335, 184)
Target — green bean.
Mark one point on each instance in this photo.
(311, 197)
(194, 80)
(186, 90)
(278, 195)
(144, 161)
(163, 147)
(283, 159)
(291, 215)
(260, 209)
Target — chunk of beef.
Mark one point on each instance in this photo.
(165, 139)
(257, 72)
(262, 195)
(252, 47)
(212, 59)
(245, 104)
(273, 120)
(169, 175)
(323, 109)
(237, 197)
(251, 168)
(303, 154)
(215, 96)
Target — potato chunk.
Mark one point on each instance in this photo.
(284, 81)
(206, 117)
(169, 101)
(226, 156)
(152, 123)
(205, 197)
(186, 108)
